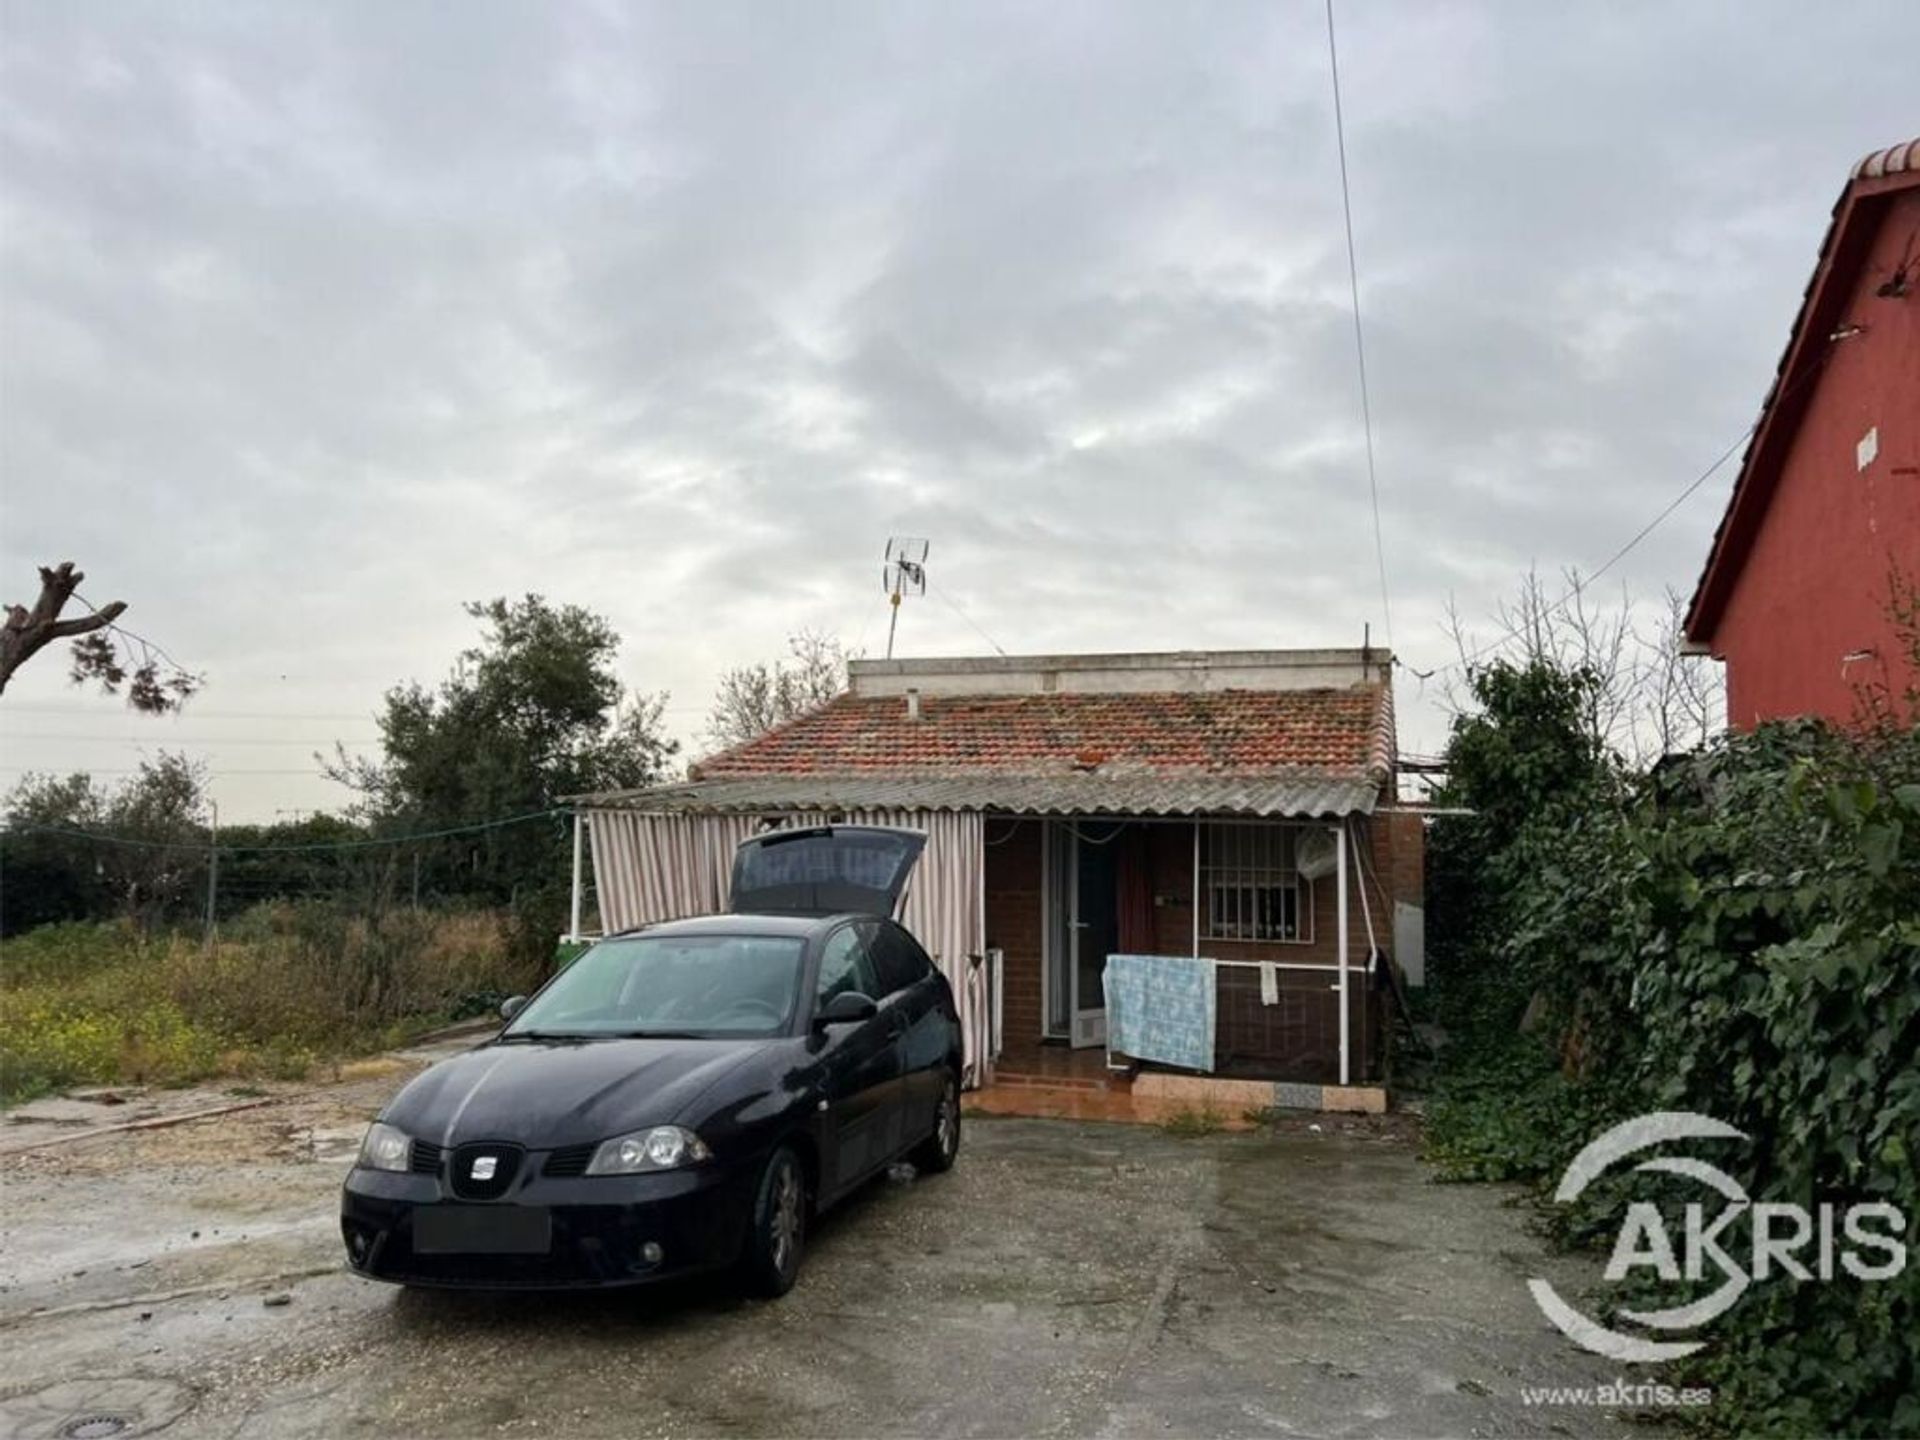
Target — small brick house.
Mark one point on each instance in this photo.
(1796, 593)
(1232, 805)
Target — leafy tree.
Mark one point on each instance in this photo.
(1733, 933)
(1525, 765)
(45, 875)
(157, 874)
(319, 856)
(531, 714)
(102, 650)
(752, 699)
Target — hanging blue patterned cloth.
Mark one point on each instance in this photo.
(1161, 1008)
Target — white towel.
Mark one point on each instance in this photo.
(1269, 983)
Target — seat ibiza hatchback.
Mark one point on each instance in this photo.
(683, 1097)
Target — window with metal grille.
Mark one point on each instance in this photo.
(1250, 885)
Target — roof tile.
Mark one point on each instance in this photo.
(1335, 732)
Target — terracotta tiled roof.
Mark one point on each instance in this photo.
(1345, 733)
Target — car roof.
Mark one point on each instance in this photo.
(797, 926)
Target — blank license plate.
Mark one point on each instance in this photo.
(481, 1229)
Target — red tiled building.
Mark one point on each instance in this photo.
(1235, 806)
(1797, 593)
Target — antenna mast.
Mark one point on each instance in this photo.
(905, 573)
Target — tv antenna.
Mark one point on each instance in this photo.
(905, 573)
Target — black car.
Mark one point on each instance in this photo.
(683, 1097)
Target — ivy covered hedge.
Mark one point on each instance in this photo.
(1737, 934)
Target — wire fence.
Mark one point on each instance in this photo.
(179, 878)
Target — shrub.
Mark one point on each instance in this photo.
(1737, 935)
(285, 984)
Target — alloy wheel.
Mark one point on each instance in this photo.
(787, 1217)
(947, 1124)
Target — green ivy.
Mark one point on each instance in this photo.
(1737, 934)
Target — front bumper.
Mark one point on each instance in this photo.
(600, 1228)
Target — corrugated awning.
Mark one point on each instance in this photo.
(1302, 796)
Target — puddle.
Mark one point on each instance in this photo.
(333, 1142)
(134, 1242)
(82, 1110)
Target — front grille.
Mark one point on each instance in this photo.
(506, 1165)
(570, 1160)
(426, 1158)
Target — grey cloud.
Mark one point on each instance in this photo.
(320, 320)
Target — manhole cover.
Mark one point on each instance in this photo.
(119, 1408)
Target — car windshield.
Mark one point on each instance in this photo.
(702, 985)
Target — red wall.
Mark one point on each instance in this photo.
(1814, 586)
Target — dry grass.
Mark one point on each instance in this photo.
(1188, 1121)
(285, 985)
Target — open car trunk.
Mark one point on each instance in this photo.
(824, 870)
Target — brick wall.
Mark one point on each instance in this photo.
(1172, 850)
(1298, 1037)
(1295, 1039)
(1014, 871)
(1401, 858)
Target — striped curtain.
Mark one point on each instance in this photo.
(666, 867)
(662, 867)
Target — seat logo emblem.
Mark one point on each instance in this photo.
(483, 1167)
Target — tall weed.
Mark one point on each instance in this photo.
(285, 983)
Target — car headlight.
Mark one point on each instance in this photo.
(664, 1147)
(385, 1148)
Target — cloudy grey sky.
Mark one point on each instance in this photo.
(319, 320)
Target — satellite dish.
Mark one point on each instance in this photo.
(1315, 855)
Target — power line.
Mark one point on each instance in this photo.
(135, 770)
(1359, 337)
(1676, 502)
(9, 738)
(953, 605)
(1775, 398)
(108, 711)
(198, 848)
(116, 712)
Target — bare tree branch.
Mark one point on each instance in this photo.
(27, 632)
(96, 656)
(1647, 698)
(752, 699)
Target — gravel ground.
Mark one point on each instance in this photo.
(1064, 1279)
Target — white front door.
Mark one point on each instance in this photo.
(1093, 933)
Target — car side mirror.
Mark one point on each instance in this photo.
(512, 1007)
(849, 1007)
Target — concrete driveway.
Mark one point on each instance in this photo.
(1065, 1279)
